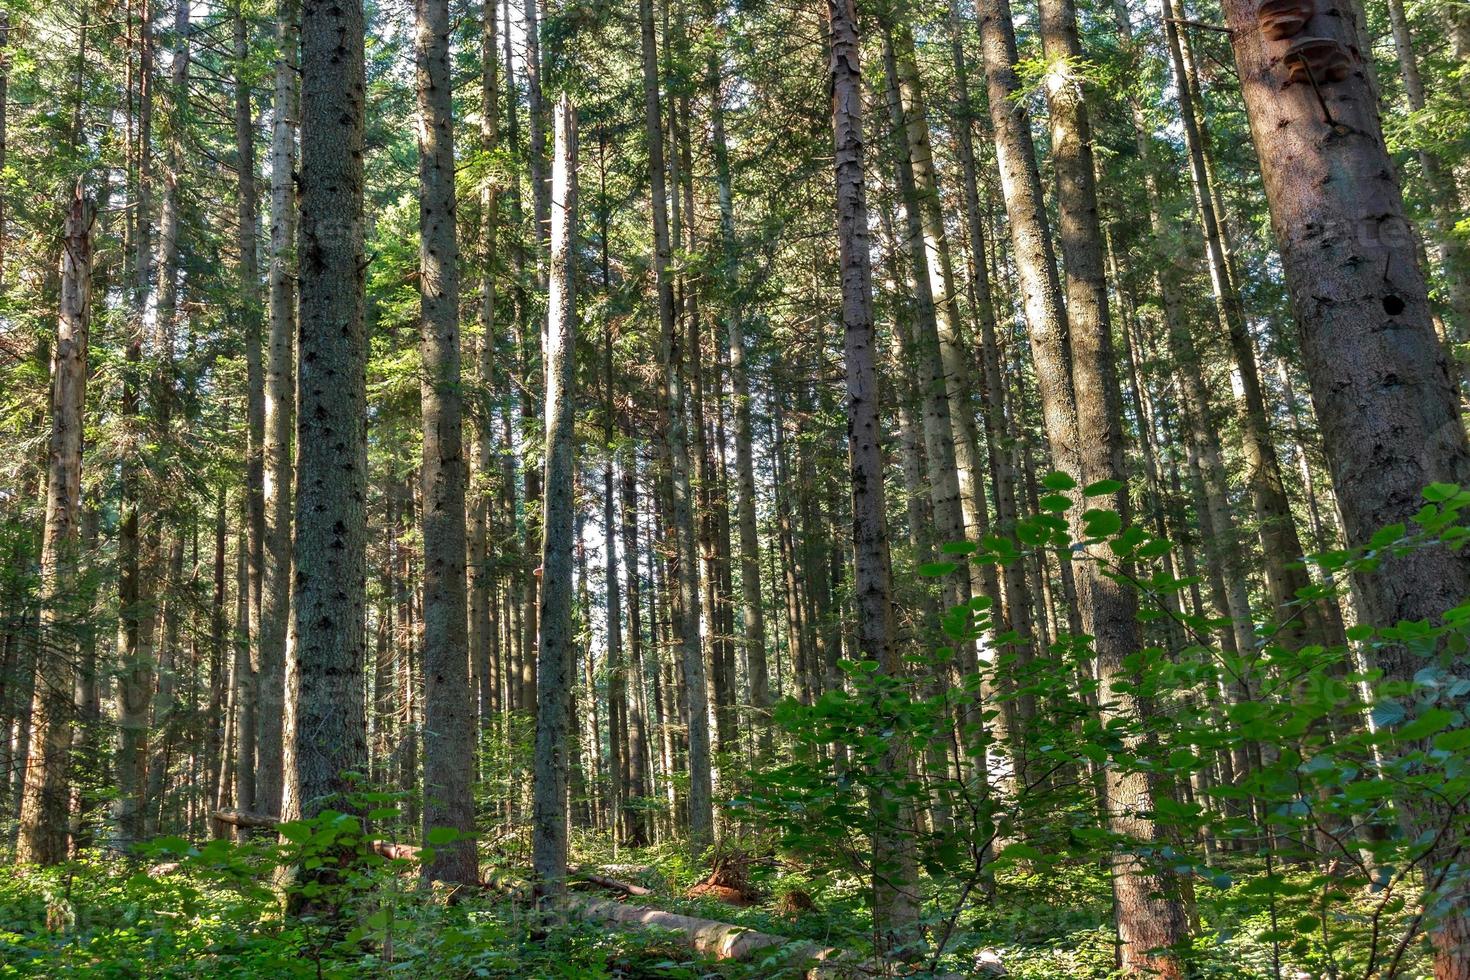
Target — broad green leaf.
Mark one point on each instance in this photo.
(1058, 481)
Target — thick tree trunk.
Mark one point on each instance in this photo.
(895, 905)
(1381, 382)
(449, 717)
(47, 793)
(555, 658)
(328, 729)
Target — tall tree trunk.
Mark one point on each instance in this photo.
(1147, 909)
(684, 561)
(162, 395)
(483, 645)
(47, 793)
(328, 729)
(1014, 614)
(536, 134)
(752, 610)
(1439, 182)
(449, 716)
(555, 658)
(135, 626)
(245, 677)
(638, 785)
(1367, 340)
(278, 413)
(244, 686)
(895, 906)
(1281, 547)
(4, 111)
(165, 327)
(954, 349)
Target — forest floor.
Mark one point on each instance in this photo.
(217, 915)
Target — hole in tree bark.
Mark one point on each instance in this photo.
(1392, 305)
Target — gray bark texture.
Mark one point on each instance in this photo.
(329, 736)
(449, 715)
(556, 656)
(895, 906)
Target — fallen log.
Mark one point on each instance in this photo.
(392, 851)
(611, 884)
(245, 818)
(724, 941)
(717, 940)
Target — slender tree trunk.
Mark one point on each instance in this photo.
(684, 567)
(1439, 182)
(638, 785)
(1280, 546)
(484, 648)
(278, 412)
(47, 792)
(752, 610)
(1367, 340)
(895, 906)
(161, 396)
(1015, 614)
(244, 685)
(555, 658)
(135, 627)
(4, 111)
(1147, 909)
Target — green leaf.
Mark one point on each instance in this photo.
(1453, 741)
(959, 548)
(442, 835)
(1020, 852)
(1101, 523)
(1431, 721)
(296, 831)
(1386, 536)
(1102, 488)
(1437, 493)
(935, 569)
(1058, 481)
(1055, 502)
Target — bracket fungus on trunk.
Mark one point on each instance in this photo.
(1284, 19)
(1318, 60)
